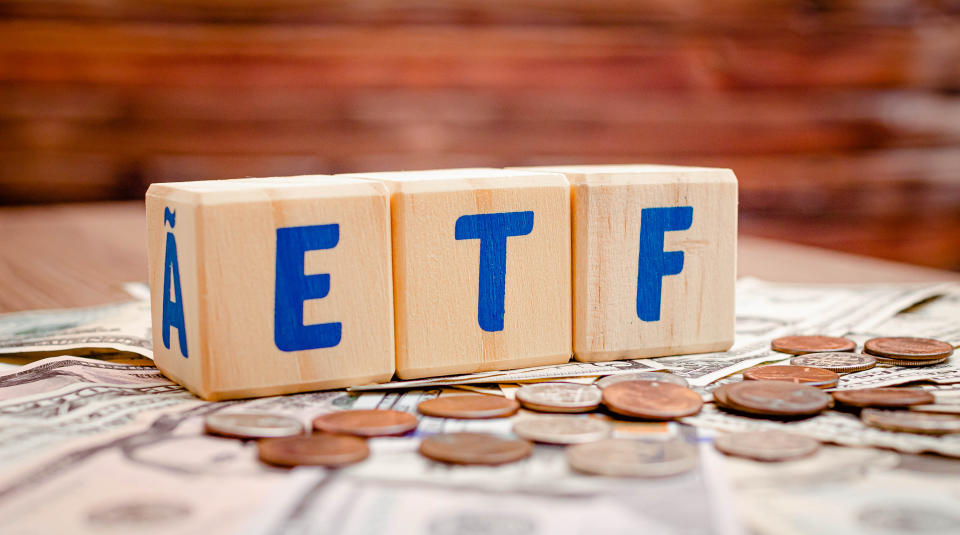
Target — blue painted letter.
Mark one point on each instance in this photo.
(492, 230)
(172, 308)
(655, 263)
(293, 287)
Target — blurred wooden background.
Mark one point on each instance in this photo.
(841, 118)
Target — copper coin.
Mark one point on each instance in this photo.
(319, 449)
(912, 422)
(906, 348)
(805, 375)
(366, 423)
(890, 398)
(469, 406)
(720, 396)
(768, 446)
(474, 448)
(251, 425)
(559, 397)
(910, 363)
(652, 400)
(801, 345)
(836, 362)
(776, 398)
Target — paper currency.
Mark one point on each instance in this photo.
(946, 373)
(79, 331)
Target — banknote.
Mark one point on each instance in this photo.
(945, 373)
(79, 331)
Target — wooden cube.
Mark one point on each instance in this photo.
(481, 263)
(654, 259)
(269, 286)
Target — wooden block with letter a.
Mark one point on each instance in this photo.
(654, 259)
(481, 262)
(270, 286)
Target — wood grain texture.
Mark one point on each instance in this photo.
(436, 275)
(226, 234)
(696, 311)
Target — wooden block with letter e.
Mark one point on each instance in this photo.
(481, 261)
(654, 259)
(269, 286)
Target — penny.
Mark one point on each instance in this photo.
(807, 375)
(620, 457)
(836, 362)
(801, 345)
(319, 449)
(776, 398)
(469, 407)
(562, 429)
(651, 400)
(927, 423)
(251, 425)
(474, 448)
(890, 398)
(559, 397)
(662, 377)
(720, 396)
(366, 423)
(906, 348)
(911, 363)
(768, 446)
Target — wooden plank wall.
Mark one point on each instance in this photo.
(841, 117)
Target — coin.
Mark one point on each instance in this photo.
(807, 375)
(366, 423)
(474, 448)
(836, 362)
(911, 363)
(251, 425)
(890, 398)
(767, 445)
(720, 396)
(318, 449)
(927, 423)
(651, 400)
(907, 348)
(469, 407)
(801, 345)
(620, 457)
(562, 429)
(776, 398)
(559, 397)
(662, 377)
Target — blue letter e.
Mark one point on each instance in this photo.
(293, 287)
(654, 262)
(492, 230)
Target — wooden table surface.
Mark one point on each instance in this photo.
(80, 254)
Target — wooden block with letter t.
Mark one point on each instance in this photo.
(654, 259)
(269, 286)
(481, 262)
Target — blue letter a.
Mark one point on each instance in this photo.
(172, 308)
(492, 230)
(293, 287)
(654, 263)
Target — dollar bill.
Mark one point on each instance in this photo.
(79, 331)
(945, 373)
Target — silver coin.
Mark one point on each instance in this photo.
(620, 457)
(562, 429)
(767, 445)
(643, 376)
(251, 425)
(560, 397)
(837, 362)
(926, 423)
(910, 363)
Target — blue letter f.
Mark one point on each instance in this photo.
(655, 263)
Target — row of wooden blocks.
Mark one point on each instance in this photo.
(265, 286)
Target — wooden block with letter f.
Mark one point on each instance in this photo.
(270, 286)
(481, 263)
(654, 259)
